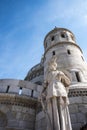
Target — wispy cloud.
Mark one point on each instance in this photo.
(64, 10)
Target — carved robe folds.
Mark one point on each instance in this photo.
(57, 101)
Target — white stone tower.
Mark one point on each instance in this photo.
(61, 42)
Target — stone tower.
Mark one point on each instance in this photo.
(60, 42)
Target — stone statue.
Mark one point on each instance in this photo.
(55, 92)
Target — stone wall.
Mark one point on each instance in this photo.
(16, 117)
(19, 87)
(78, 105)
(41, 122)
(78, 111)
(18, 103)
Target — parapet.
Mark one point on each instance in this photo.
(18, 104)
(19, 87)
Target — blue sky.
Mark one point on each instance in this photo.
(24, 24)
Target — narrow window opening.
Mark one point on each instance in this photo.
(32, 93)
(7, 89)
(68, 51)
(63, 35)
(78, 76)
(53, 53)
(52, 39)
(20, 90)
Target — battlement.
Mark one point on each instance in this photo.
(18, 104)
(19, 87)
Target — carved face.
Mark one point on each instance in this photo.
(52, 66)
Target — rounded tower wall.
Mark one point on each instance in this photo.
(58, 35)
(61, 43)
(69, 54)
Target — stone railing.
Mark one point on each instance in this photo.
(19, 87)
(19, 93)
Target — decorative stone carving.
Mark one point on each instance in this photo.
(56, 104)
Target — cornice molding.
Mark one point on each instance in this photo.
(76, 92)
(60, 43)
(19, 100)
